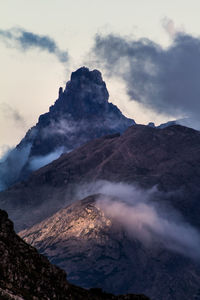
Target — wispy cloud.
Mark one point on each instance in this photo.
(170, 27)
(12, 114)
(37, 162)
(26, 40)
(150, 222)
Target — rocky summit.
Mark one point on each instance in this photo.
(81, 113)
(27, 275)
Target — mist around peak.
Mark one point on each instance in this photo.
(81, 113)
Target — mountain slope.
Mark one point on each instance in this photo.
(27, 275)
(81, 113)
(168, 158)
(98, 251)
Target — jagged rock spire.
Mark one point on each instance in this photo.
(81, 113)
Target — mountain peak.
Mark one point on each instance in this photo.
(85, 99)
(84, 73)
(86, 86)
(81, 113)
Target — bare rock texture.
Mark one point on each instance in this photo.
(97, 251)
(27, 275)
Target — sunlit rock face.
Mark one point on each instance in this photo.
(81, 113)
(83, 240)
(27, 275)
(97, 251)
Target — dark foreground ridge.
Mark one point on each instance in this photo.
(27, 275)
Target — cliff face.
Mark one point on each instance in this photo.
(27, 275)
(81, 113)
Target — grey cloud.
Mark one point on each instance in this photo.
(62, 127)
(37, 162)
(150, 222)
(26, 40)
(12, 113)
(166, 80)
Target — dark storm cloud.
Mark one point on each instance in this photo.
(166, 80)
(26, 40)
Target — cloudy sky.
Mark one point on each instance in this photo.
(139, 46)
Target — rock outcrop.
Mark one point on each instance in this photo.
(27, 275)
(97, 251)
